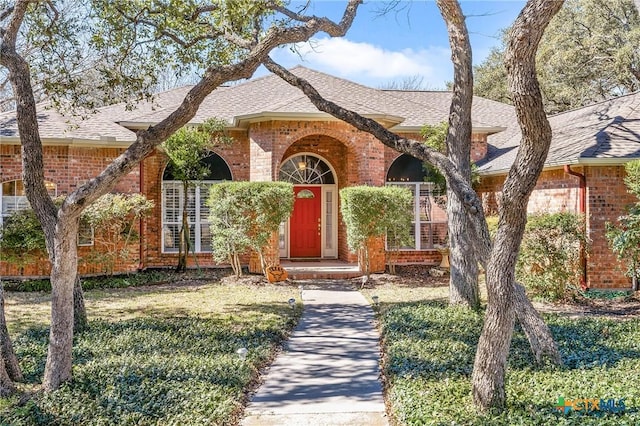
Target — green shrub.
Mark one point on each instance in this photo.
(549, 262)
(113, 217)
(244, 215)
(370, 212)
(22, 239)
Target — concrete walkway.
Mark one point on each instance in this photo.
(329, 372)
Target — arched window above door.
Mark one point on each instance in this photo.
(306, 169)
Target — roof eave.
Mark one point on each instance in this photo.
(605, 161)
(583, 161)
(243, 121)
(489, 130)
(107, 142)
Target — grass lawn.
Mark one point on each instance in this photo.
(429, 350)
(152, 355)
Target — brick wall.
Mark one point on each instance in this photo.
(557, 191)
(68, 167)
(607, 199)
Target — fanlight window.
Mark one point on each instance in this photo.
(305, 193)
(306, 169)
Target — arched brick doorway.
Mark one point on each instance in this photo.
(312, 230)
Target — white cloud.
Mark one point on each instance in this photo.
(369, 64)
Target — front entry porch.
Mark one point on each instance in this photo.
(320, 269)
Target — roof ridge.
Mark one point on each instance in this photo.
(615, 98)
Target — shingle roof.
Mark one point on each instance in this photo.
(54, 125)
(260, 96)
(605, 131)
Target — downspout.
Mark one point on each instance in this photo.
(141, 221)
(582, 209)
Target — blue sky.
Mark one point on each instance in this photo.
(409, 41)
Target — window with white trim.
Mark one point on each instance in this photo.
(429, 225)
(197, 210)
(13, 197)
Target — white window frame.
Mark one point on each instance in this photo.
(417, 221)
(200, 215)
(19, 202)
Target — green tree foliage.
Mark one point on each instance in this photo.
(124, 43)
(435, 137)
(588, 53)
(549, 263)
(113, 218)
(370, 212)
(21, 239)
(624, 236)
(186, 149)
(245, 215)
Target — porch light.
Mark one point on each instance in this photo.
(242, 353)
(292, 303)
(302, 164)
(376, 300)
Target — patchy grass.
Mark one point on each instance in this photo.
(429, 350)
(152, 355)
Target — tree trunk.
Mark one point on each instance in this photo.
(12, 367)
(493, 347)
(541, 340)
(60, 225)
(183, 245)
(79, 309)
(6, 385)
(490, 363)
(491, 356)
(63, 276)
(463, 280)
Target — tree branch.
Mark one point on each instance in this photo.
(214, 76)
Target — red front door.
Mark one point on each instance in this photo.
(304, 225)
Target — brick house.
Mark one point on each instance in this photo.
(279, 135)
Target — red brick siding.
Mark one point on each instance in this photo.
(68, 167)
(607, 199)
(557, 191)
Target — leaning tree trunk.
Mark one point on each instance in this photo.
(541, 340)
(63, 276)
(463, 280)
(79, 309)
(12, 367)
(493, 346)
